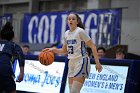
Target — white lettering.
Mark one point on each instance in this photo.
(44, 20)
(64, 22)
(52, 30)
(1, 46)
(103, 28)
(93, 35)
(30, 28)
(89, 21)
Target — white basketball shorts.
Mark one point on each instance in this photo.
(79, 67)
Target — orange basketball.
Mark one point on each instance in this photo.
(46, 57)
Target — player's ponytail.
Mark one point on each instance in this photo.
(8, 26)
(7, 32)
(80, 24)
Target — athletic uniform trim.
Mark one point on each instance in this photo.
(87, 66)
(80, 69)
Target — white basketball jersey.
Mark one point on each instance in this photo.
(75, 42)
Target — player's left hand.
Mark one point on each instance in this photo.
(98, 67)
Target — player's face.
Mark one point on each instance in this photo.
(72, 21)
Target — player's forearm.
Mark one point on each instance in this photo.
(94, 51)
(58, 51)
(21, 70)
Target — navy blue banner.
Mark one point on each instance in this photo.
(6, 17)
(103, 26)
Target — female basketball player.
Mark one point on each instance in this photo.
(9, 51)
(74, 45)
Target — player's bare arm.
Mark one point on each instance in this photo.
(94, 51)
(62, 50)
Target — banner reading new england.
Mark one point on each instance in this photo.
(103, 26)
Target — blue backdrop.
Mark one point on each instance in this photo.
(103, 26)
(4, 18)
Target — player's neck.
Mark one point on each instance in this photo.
(72, 29)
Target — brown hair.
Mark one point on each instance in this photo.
(7, 32)
(80, 24)
(120, 50)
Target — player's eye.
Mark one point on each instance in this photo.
(73, 18)
(69, 19)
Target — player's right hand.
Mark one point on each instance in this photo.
(20, 77)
